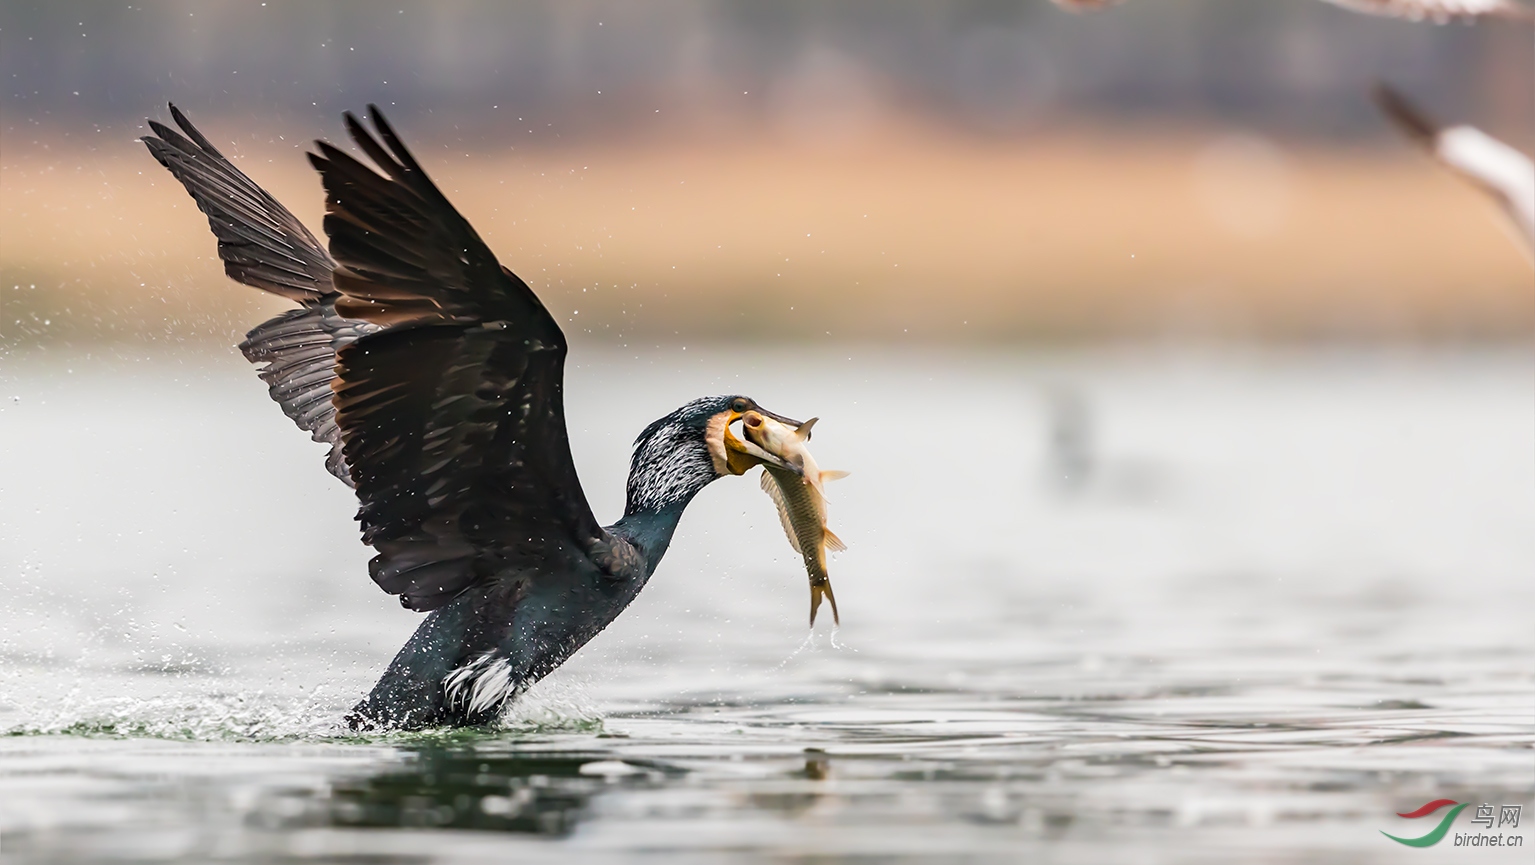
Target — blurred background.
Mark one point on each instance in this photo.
(712, 170)
(1188, 411)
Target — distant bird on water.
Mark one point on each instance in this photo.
(1476, 157)
(436, 377)
(1439, 11)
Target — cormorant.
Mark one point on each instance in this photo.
(435, 375)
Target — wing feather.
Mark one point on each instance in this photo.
(452, 416)
(262, 244)
(296, 353)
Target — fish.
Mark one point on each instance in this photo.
(798, 490)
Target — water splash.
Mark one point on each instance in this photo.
(553, 707)
(812, 645)
(259, 716)
(244, 717)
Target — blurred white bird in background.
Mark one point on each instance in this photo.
(1500, 170)
(1439, 11)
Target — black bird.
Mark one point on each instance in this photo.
(435, 375)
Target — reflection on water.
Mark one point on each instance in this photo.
(463, 788)
(1069, 451)
(1288, 601)
(490, 784)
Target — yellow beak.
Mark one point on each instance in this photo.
(742, 456)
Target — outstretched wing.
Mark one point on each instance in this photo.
(452, 417)
(264, 245)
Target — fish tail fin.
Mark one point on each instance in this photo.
(833, 542)
(817, 591)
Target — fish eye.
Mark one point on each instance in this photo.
(738, 405)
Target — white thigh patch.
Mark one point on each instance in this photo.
(480, 685)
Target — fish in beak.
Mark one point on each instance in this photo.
(795, 484)
(742, 456)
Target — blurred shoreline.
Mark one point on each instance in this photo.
(717, 171)
(890, 230)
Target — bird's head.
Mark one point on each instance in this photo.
(681, 453)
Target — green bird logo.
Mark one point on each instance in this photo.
(1438, 832)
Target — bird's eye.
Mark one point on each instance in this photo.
(738, 405)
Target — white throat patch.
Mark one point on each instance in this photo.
(669, 467)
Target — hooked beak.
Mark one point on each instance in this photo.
(742, 456)
(796, 424)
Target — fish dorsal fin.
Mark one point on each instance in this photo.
(770, 486)
(833, 542)
(803, 431)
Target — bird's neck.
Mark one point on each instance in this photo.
(650, 531)
(664, 475)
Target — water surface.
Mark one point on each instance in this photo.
(1097, 607)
